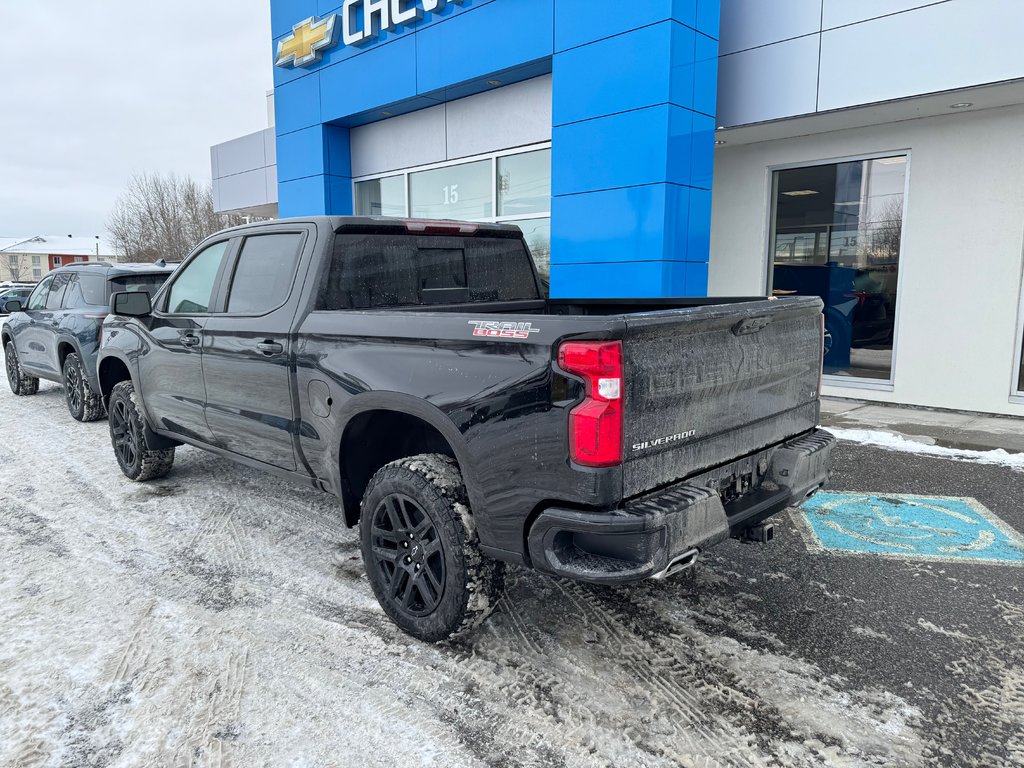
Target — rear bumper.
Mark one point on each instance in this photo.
(647, 534)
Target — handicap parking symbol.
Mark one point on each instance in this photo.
(910, 527)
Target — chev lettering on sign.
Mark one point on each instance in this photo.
(494, 329)
(359, 21)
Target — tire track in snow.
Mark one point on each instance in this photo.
(671, 684)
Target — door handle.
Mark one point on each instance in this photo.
(269, 348)
(189, 340)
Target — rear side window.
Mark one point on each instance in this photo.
(148, 283)
(86, 291)
(264, 272)
(56, 295)
(384, 270)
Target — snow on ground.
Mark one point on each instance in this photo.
(220, 617)
(895, 442)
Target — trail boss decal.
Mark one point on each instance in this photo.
(497, 330)
(664, 440)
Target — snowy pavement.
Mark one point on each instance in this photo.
(219, 617)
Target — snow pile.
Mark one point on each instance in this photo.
(894, 442)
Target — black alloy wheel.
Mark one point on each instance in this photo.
(421, 549)
(130, 437)
(11, 362)
(21, 383)
(408, 553)
(83, 403)
(73, 388)
(125, 433)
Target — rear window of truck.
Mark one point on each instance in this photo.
(370, 271)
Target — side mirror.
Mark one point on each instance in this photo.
(12, 306)
(131, 304)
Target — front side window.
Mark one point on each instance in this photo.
(192, 289)
(38, 298)
(264, 272)
(837, 235)
(379, 270)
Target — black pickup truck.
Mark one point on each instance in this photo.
(414, 369)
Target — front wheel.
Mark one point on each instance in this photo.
(83, 403)
(21, 383)
(137, 460)
(421, 550)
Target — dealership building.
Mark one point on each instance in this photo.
(870, 153)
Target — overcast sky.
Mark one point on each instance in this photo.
(94, 90)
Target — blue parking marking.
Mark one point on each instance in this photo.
(910, 527)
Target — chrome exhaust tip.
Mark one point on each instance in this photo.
(678, 564)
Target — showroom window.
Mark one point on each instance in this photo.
(510, 188)
(837, 235)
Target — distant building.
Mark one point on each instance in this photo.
(27, 259)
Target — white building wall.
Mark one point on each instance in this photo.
(793, 57)
(962, 252)
(511, 116)
(245, 174)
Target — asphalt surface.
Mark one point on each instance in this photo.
(220, 617)
(946, 637)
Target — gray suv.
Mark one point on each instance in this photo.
(55, 333)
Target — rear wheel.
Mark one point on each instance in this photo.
(21, 383)
(83, 403)
(137, 460)
(421, 551)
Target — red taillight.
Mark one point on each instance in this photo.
(595, 425)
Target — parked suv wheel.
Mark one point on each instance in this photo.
(128, 436)
(83, 403)
(21, 383)
(421, 551)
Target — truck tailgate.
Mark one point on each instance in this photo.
(707, 385)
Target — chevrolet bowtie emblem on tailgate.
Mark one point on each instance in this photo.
(751, 325)
(307, 41)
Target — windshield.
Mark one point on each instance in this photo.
(149, 283)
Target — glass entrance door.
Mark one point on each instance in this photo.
(837, 235)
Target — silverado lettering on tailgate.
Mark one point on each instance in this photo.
(664, 440)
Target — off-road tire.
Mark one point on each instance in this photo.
(429, 486)
(138, 461)
(83, 403)
(21, 383)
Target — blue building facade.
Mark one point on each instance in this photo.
(632, 104)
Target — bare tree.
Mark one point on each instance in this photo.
(886, 234)
(163, 216)
(16, 267)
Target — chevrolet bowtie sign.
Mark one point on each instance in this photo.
(359, 21)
